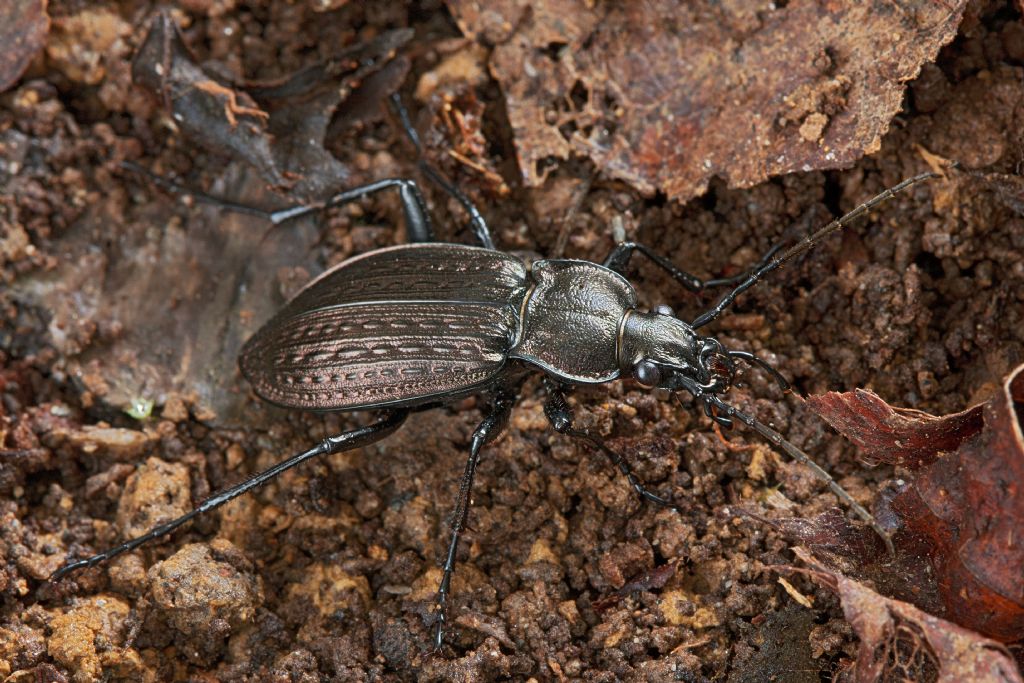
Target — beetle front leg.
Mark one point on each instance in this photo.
(487, 431)
(557, 410)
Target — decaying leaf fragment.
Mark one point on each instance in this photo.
(898, 436)
(23, 28)
(277, 127)
(667, 94)
(901, 642)
(964, 507)
(208, 111)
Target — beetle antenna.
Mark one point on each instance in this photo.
(792, 451)
(805, 244)
(483, 233)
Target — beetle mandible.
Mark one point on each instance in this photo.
(410, 327)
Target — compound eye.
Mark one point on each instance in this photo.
(647, 373)
(663, 309)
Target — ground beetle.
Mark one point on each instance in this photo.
(411, 327)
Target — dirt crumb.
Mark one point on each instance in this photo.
(204, 592)
(157, 492)
(89, 640)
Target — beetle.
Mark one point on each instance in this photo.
(411, 327)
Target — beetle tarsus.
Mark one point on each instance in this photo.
(176, 188)
(417, 220)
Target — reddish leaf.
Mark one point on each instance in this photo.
(900, 642)
(856, 552)
(964, 509)
(667, 94)
(23, 28)
(898, 436)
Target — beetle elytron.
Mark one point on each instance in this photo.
(410, 327)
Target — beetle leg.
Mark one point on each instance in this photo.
(561, 418)
(487, 431)
(332, 444)
(417, 222)
(619, 257)
(483, 233)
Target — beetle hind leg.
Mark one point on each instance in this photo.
(417, 221)
(363, 436)
(561, 418)
(476, 219)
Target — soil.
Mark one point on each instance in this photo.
(121, 405)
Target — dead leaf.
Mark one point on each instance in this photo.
(964, 508)
(24, 25)
(211, 113)
(901, 642)
(312, 107)
(857, 552)
(280, 126)
(898, 436)
(668, 94)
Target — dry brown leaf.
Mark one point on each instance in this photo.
(901, 642)
(668, 94)
(213, 114)
(278, 127)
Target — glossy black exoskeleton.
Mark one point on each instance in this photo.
(414, 326)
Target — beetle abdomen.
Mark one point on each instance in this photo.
(417, 272)
(343, 344)
(359, 355)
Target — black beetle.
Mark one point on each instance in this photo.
(415, 326)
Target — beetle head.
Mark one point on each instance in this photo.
(659, 350)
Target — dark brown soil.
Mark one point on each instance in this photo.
(115, 293)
